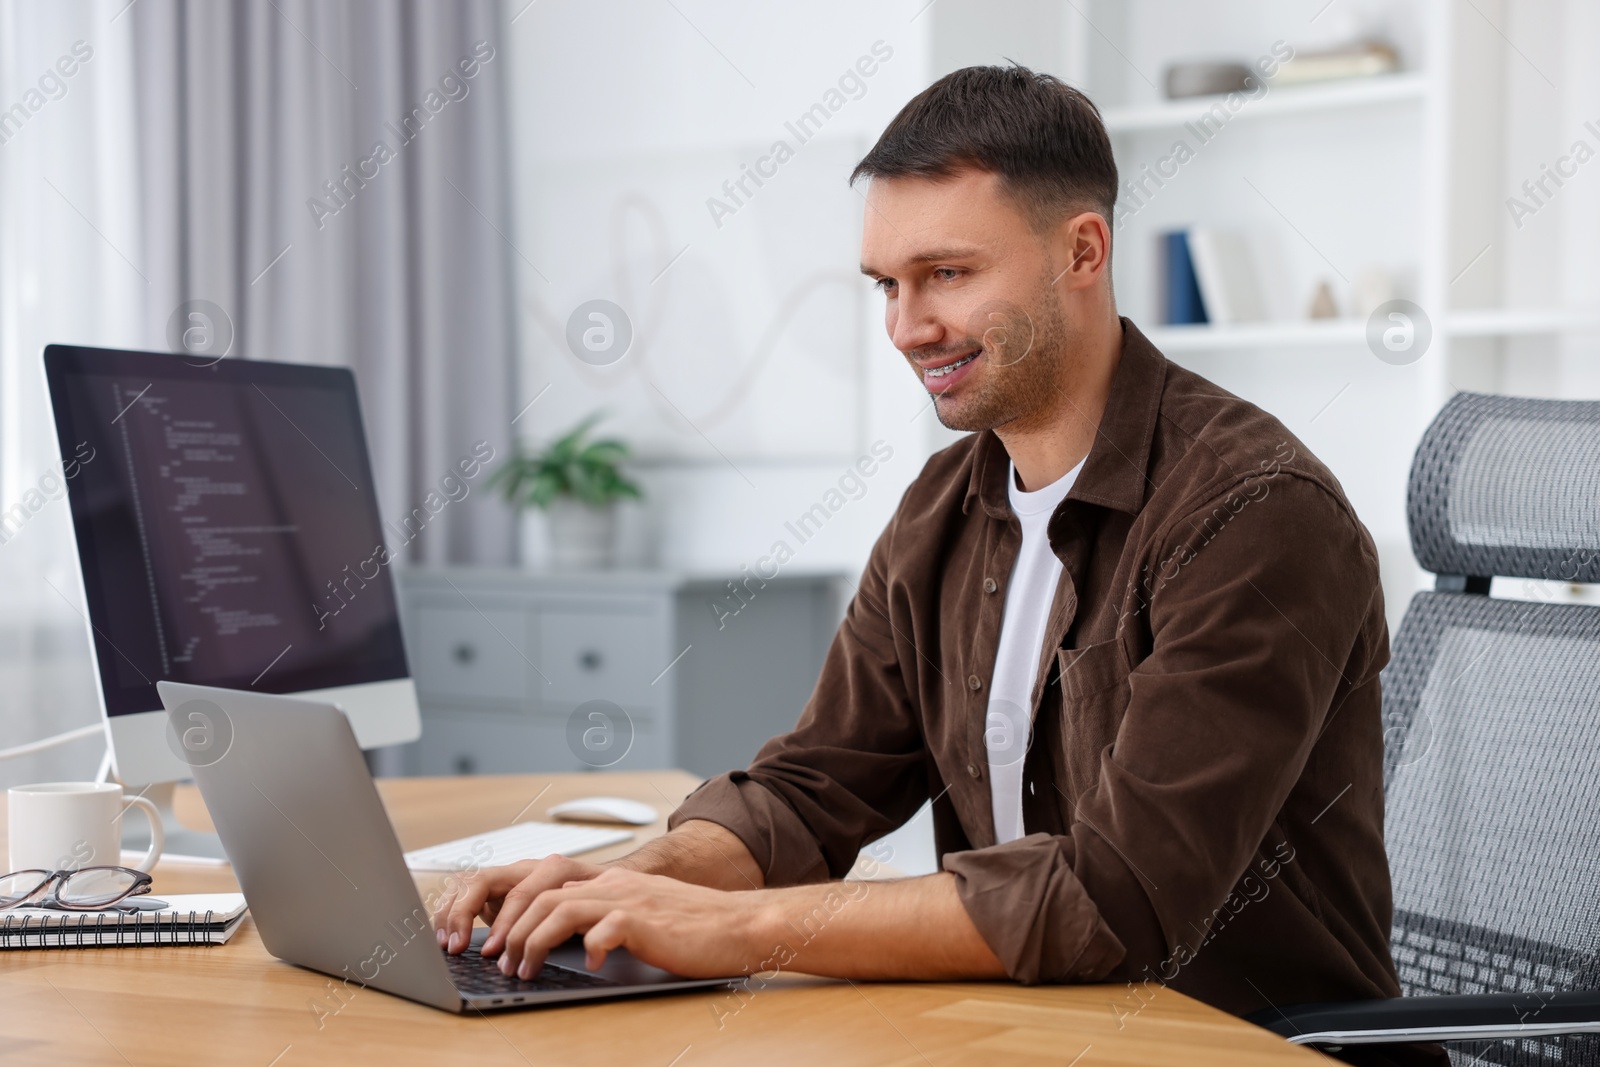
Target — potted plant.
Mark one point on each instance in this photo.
(577, 483)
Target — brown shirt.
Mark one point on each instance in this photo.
(1203, 790)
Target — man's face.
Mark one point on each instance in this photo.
(969, 296)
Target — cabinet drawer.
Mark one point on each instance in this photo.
(462, 652)
(476, 744)
(605, 654)
(467, 743)
(649, 746)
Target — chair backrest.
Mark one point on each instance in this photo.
(1492, 716)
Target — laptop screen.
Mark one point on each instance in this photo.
(227, 524)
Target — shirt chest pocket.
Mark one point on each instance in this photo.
(1094, 696)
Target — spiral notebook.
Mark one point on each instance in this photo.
(189, 919)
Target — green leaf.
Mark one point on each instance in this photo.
(605, 453)
(570, 466)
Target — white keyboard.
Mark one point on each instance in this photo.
(524, 841)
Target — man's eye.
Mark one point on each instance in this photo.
(946, 274)
(884, 284)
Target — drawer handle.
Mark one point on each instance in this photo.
(465, 654)
(589, 660)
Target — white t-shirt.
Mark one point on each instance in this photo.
(1029, 595)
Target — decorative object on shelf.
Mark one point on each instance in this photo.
(577, 483)
(1224, 269)
(1365, 60)
(1181, 304)
(1373, 287)
(1207, 79)
(1323, 305)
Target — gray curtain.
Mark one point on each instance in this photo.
(182, 157)
(333, 178)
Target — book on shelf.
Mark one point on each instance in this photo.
(1367, 59)
(188, 919)
(1225, 273)
(1181, 304)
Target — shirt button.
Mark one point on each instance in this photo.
(974, 683)
(974, 770)
(990, 585)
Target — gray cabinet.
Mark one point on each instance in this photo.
(632, 670)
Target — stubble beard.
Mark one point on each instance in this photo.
(1022, 367)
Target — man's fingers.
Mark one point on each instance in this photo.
(455, 915)
(557, 914)
(441, 912)
(505, 897)
(545, 875)
(513, 907)
(609, 933)
(510, 939)
(532, 916)
(565, 919)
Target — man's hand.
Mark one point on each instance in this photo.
(687, 929)
(693, 902)
(700, 853)
(916, 928)
(502, 893)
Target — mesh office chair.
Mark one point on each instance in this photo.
(1492, 758)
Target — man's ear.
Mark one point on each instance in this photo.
(1080, 248)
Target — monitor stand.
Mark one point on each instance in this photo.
(183, 844)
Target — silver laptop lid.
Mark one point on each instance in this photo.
(309, 840)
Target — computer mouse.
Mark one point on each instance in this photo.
(605, 809)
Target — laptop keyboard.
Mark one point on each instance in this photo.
(476, 976)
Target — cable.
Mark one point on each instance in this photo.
(53, 742)
(103, 775)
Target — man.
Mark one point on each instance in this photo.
(1126, 635)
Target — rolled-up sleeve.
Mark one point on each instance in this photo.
(1037, 917)
(1254, 642)
(853, 768)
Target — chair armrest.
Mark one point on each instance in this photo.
(1481, 1017)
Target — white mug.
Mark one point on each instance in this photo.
(70, 825)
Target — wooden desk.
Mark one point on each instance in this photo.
(234, 1004)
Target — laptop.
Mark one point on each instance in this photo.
(322, 871)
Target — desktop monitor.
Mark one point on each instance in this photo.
(228, 535)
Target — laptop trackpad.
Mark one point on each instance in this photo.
(621, 966)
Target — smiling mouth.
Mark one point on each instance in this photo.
(940, 372)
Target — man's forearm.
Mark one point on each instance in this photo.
(698, 852)
(915, 928)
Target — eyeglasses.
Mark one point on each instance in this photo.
(86, 889)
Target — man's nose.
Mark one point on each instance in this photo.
(912, 325)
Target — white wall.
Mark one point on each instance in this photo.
(653, 110)
(656, 97)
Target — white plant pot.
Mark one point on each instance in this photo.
(582, 536)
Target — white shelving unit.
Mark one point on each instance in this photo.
(1328, 181)
(1514, 322)
(1324, 334)
(1173, 340)
(1408, 173)
(1279, 102)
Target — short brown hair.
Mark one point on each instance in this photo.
(1040, 135)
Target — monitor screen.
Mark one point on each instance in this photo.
(227, 524)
